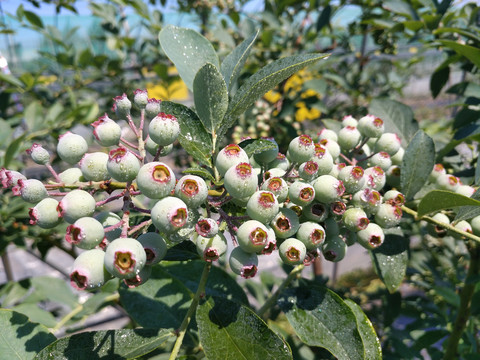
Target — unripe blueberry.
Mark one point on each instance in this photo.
(71, 147)
(349, 137)
(152, 108)
(94, 166)
(323, 159)
(267, 156)
(301, 149)
(240, 180)
(465, 190)
(152, 148)
(437, 230)
(368, 199)
(210, 249)
(75, 205)
(328, 189)
(463, 226)
(350, 238)
(292, 251)
(370, 126)
(332, 147)
(140, 98)
(106, 131)
(398, 157)
(243, 263)
(327, 134)
(271, 242)
(122, 106)
(393, 176)
(125, 258)
(371, 237)
(262, 206)
(308, 170)
(155, 247)
(71, 176)
(156, 180)
(88, 270)
(31, 190)
(164, 129)
(192, 190)
(169, 214)
(388, 142)
(140, 278)
(206, 227)
(122, 164)
(86, 233)
(331, 226)
(381, 159)
(45, 214)
(292, 206)
(274, 172)
(315, 211)
(311, 235)
(278, 187)
(447, 182)
(375, 178)
(39, 154)
(280, 162)
(108, 219)
(10, 178)
(229, 156)
(394, 197)
(437, 170)
(338, 208)
(301, 193)
(355, 219)
(349, 120)
(475, 223)
(285, 223)
(352, 177)
(388, 215)
(334, 248)
(336, 169)
(252, 236)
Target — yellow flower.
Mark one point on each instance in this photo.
(47, 79)
(177, 90)
(293, 83)
(303, 113)
(272, 96)
(309, 93)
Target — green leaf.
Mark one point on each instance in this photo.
(229, 330)
(469, 212)
(324, 18)
(33, 19)
(19, 338)
(36, 314)
(463, 32)
(390, 261)
(256, 146)
(437, 200)
(13, 149)
(34, 116)
(321, 318)
(470, 52)
(6, 132)
(193, 136)
(373, 347)
(106, 344)
(448, 294)
(210, 96)
(398, 117)
(416, 169)
(55, 289)
(12, 80)
(439, 79)
(263, 81)
(430, 338)
(400, 7)
(203, 173)
(233, 64)
(188, 50)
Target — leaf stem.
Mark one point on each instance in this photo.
(191, 311)
(272, 300)
(439, 223)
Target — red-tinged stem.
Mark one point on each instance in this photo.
(347, 159)
(54, 173)
(113, 227)
(132, 125)
(56, 193)
(110, 199)
(128, 143)
(140, 226)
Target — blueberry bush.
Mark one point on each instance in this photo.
(180, 249)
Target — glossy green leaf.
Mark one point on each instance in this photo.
(321, 318)
(6, 132)
(469, 212)
(373, 347)
(36, 314)
(263, 81)
(324, 18)
(255, 146)
(193, 136)
(106, 344)
(416, 169)
(233, 64)
(230, 331)
(203, 173)
(390, 261)
(188, 50)
(397, 117)
(19, 338)
(33, 19)
(186, 250)
(13, 149)
(439, 79)
(470, 52)
(210, 96)
(437, 200)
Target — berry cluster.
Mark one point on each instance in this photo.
(318, 198)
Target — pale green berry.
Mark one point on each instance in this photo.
(230, 155)
(371, 237)
(292, 251)
(271, 242)
(394, 197)
(262, 206)
(152, 148)
(122, 164)
(397, 159)
(332, 147)
(155, 247)
(447, 182)
(348, 137)
(39, 154)
(156, 180)
(280, 162)
(108, 219)
(192, 190)
(381, 159)
(94, 166)
(240, 180)
(301, 149)
(140, 98)
(252, 236)
(71, 147)
(243, 263)
(71, 176)
(45, 214)
(164, 129)
(311, 234)
(328, 189)
(437, 170)
(315, 211)
(393, 176)
(355, 219)
(278, 187)
(388, 142)
(106, 131)
(464, 226)
(86, 233)
(368, 199)
(140, 278)
(152, 108)
(210, 249)
(334, 248)
(31, 190)
(323, 159)
(169, 214)
(349, 120)
(388, 215)
(88, 270)
(327, 134)
(475, 223)
(308, 171)
(465, 190)
(352, 177)
(438, 230)
(301, 193)
(285, 223)
(370, 126)
(75, 205)
(206, 227)
(122, 106)
(274, 172)
(125, 258)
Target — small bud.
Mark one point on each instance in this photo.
(122, 106)
(140, 98)
(39, 154)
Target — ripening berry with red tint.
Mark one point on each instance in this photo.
(210, 249)
(164, 129)
(285, 223)
(86, 233)
(278, 187)
(45, 214)
(311, 234)
(206, 227)
(125, 258)
(192, 190)
(243, 263)
(241, 181)
(88, 271)
(301, 149)
(262, 206)
(352, 177)
(230, 155)
(106, 131)
(169, 214)
(371, 237)
(10, 178)
(252, 236)
(371, 126)
(375, 178)
(301, 193)
(368, 199)
(156, 180)
(292, 251)
(394, 197)
(355, 219)
(122, 164)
